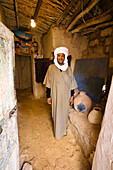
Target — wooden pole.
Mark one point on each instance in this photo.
(65, 12)
(90, 30)
(82, 14)
(77, 10)
(16, 13)
(92, 22)
(37, 8)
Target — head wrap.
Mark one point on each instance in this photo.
(63, 50)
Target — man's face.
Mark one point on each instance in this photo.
(60, 58)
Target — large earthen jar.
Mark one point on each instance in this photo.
(82, 103)
(95, 116)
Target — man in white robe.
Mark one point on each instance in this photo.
(59, 81)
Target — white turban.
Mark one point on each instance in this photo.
(63, 50)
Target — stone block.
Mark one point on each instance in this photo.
(99, 51)
(94, 42)
(108, 41)
(107, 49)
(106, 32)
(102, 40)
(93, 35)
(84, 53)
(91, 51)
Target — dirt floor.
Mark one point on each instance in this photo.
(36, 139)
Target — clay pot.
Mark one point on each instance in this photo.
(95, 116)
(82, 103)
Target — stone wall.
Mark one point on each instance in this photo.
(100, 44)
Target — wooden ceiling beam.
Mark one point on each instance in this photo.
(37, 8)
(82, 14)
(90, 30)
(16, 13)
(92, 22)
(65, 12)
(106, 16)
(77, 11)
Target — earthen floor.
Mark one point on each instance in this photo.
(37, 144)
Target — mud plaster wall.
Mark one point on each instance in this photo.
(38, 88)
(47, 42)
(103, 158)
(38, 38)
(2, 15)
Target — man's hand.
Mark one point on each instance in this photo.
(71, 101)
(49, 100)
(76, 92)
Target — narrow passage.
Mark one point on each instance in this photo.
(37, 144)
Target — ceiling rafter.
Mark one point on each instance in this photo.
(90, 30)
(92, 4)
(37, 8)
(55, 6)
(65, 12)
(16, 12)
(78, 9)
(81, 14)
(97, 20)
(5, 7)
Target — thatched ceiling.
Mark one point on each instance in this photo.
(76, 15)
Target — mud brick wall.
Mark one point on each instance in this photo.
(100, 44)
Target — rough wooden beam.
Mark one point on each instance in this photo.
(96, 20)
(37, 8)
(54, 6)
(77, 11)
(90, 30)
(65, 12)
(92, 22)
(82, 14)
(40, 30)
(43, 23)
(43, 19)
(16, 13)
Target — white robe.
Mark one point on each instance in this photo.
(61, 84)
